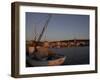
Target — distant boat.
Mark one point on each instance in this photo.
(56, 60)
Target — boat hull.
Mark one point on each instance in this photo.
(54, 62)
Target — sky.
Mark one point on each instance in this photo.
(60, 26)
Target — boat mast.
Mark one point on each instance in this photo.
(45, 26)
(41, 34)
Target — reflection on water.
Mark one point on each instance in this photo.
(75, 55)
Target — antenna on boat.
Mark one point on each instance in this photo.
(45, 36)
(35, 33)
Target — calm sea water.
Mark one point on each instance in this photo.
(74, 55)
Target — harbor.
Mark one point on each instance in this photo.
(53, 40)
(62, 44)
(75, 52)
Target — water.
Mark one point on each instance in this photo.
(75, 55)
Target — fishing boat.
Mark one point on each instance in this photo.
(54, 60)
